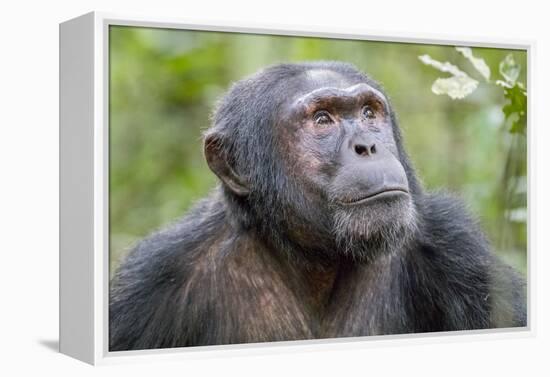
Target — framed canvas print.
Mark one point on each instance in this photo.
(227, 188)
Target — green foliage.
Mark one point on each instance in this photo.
(164, 85)
(460, 84)
(478, 63)
(516, 109)
(509, 69)
(513, 196)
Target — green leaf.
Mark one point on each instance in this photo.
(516, 108)
(443, 67)
(504, 84)
(509, 69)
(456, 87)
(478, 63)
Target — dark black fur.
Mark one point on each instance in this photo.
(230, 272)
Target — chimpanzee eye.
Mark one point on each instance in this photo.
(368, 112)
(322, 118)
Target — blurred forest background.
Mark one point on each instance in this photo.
(165, 83)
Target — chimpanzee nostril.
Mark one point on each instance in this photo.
(363, 150)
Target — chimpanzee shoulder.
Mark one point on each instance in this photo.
(460, 281)
(158, 283)
(197, 282)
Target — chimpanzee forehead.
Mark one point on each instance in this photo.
(318, 84)
(326, 77)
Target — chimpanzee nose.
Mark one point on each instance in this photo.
(364, 149)
(357, 147)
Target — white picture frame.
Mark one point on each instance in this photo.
(84, 197)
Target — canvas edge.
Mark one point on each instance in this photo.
(76, 190)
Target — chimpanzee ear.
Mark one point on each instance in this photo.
(219, 163)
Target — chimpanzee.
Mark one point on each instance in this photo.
(319, 229)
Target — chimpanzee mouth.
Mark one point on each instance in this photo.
(386, 193)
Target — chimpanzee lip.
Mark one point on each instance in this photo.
(386, 192)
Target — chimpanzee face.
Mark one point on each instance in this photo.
(338, 142)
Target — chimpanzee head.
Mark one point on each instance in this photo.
(311, 157)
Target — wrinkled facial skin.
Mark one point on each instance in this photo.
(341, 150)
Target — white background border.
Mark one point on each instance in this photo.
(29, 191)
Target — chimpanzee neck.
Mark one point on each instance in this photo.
(324, 284)
(312, 280)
